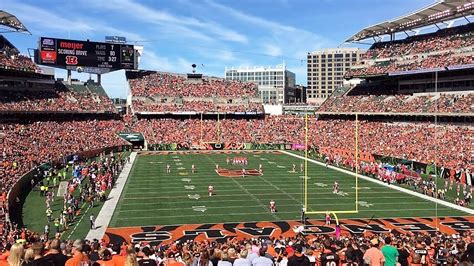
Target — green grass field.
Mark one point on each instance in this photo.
(152, 197)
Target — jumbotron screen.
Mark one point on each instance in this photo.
(73, 53)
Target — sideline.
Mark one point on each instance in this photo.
(404, 190)
(105, 215)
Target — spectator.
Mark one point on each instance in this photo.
(298, 258)
(15, 258)
(373, 256)
(390, 253)
(242, 260)
(54, 255)
(262, 260)
(146, 261)
(78, 257)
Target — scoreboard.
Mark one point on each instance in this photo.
(72, 54)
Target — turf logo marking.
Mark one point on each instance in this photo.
(183, 173)
(186, 179)
(301, 176)
(181, 168)
(320, 184)
(365, 204)
(256, 156)
(177, 160)
(281, 166)
(237, 172)
(272, 162)
(179, 164)
(263, 159)
(155, 162)
(199, 208)
(194, 196)
(189, 187)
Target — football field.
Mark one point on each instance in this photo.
(153, 197)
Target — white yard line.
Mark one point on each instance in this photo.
(404, 190)
(234, 207)
(105, 215)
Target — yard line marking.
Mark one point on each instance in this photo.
(362, 203)
(266, 194)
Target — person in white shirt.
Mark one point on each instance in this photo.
(242, 260)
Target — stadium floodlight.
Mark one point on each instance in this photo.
(10, 23)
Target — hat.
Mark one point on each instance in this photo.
(298, 248)
(374, 241)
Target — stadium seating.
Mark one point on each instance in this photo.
(165, 92)
(17, 62)
(438, 249)
(444, 48)
(59, 99)
(420, 142)
(455, 102)
(174, 85)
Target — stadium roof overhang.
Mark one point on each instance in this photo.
(10, 23)
(443, 10)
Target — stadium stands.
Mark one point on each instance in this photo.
(437, 249)
(42, 138)
(174, 93)
(456, 102)
(61, 98)
(17, 62)
(444, 48)
(420, 142)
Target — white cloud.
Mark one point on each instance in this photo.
(182, 26)
(271, 49)
(41, 19)
(297, 42)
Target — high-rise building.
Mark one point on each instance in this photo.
(326, 71)
(273, 82)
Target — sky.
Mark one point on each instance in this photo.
(212, 34)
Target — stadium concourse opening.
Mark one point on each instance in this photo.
(194, 169)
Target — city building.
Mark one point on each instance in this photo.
(326, 69)
(274, 83)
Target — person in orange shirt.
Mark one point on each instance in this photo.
(373, 256)
(78, 258)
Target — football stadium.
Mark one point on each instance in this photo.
(191, 168)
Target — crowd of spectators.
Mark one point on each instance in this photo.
(25, 146)
(413, 248)
(440, 103)
(163, 84)
(17, 62)
(54, 101)
(444, 39)
(435, 50)
(440, 60)
(447, 145)
(196, 106)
